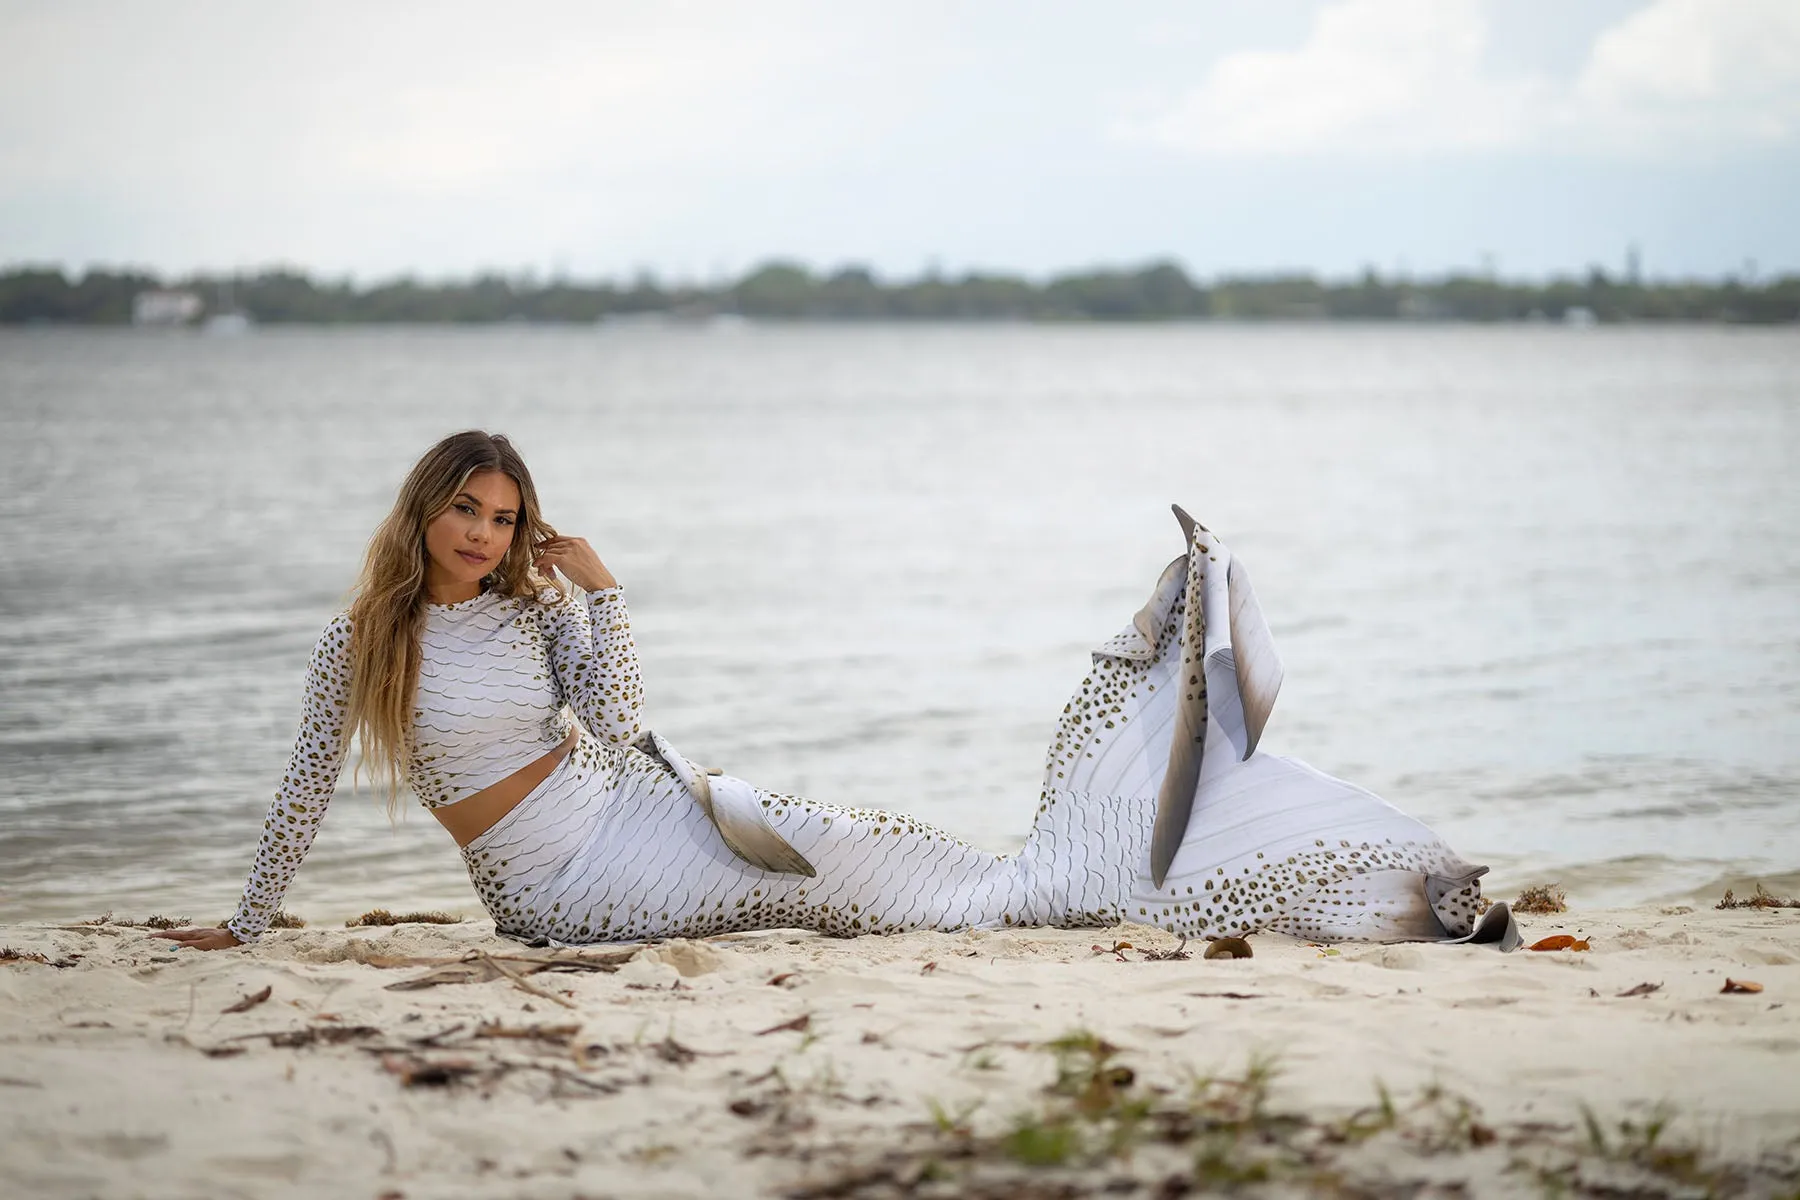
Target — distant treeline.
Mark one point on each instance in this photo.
(784, 291)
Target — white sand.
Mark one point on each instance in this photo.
(106, 1088)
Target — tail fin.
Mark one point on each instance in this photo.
(1167, 725)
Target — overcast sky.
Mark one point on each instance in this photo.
(696, 139)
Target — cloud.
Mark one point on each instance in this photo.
(1387, 77)
(422, 97)
(1687, 74)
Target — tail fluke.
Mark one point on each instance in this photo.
(1171, 718)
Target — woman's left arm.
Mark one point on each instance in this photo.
(590, 649)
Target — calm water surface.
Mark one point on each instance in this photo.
(1539, 587)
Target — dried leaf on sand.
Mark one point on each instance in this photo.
(1740, 987)
(1560, 941)
(421, 1073)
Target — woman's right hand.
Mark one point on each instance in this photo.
(201, 939)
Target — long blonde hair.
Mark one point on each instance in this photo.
(388, 611)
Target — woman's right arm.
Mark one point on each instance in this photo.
(305, 792)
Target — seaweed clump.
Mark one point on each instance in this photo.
(155, 921)
(1762, 899)
(1541, 898)
(381, 916)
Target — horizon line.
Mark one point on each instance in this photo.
(1751, 274)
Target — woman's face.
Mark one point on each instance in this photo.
(468, 539)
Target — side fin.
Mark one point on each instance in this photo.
(1148, 620)
(738, 816)
(1259, 670)
(1495, 928)
(731, 806)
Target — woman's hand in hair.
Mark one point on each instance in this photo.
(201, 939)
(577, 561)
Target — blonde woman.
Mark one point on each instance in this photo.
(486, 663)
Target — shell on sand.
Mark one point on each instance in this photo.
(1229, 947)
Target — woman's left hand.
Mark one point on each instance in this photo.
(578, 563)
(200, 939)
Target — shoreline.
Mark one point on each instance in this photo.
(784, 1063)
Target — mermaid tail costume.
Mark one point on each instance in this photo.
(1156, 807)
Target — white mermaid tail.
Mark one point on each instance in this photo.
(1157, 745)
(1244, 840)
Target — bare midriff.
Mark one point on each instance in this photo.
(473, 816)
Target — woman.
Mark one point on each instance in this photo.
(462, 655)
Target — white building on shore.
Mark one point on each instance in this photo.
(165, 307)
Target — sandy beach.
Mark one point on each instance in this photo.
(442, 1061)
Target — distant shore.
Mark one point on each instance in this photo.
(781, 291)
(439, 1060)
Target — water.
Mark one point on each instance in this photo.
(1537, 586)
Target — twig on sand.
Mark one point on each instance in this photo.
(250, 1001)
(542, 1033)
(525, 985)
(478, 966)
(555, 960)
(1175, 955)
(13, 954)
(432, 1039)
(415, 1070)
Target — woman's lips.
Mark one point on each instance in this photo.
(472, 559)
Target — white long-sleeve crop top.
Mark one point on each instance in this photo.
(496, 678)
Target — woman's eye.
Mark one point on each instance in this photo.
(504, 520)
(464, 508)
